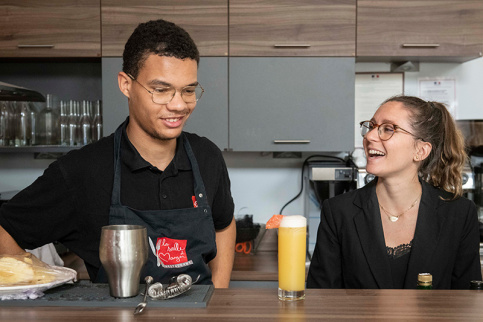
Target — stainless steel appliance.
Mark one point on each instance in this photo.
(363, 178)
(478, 186)
(468, 182)
(325, 179)
(478, 198)
(473, 132)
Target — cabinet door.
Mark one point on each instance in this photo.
(54, 28)
(292, 28)
(210, 117)
(411, 28)
(114, 102)
(206, 21)
(292, 104)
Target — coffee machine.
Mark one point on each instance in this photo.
(326, 179)
(473, 188)
(478, 192)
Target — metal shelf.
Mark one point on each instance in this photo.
(38, 149)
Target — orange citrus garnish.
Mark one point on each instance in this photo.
(274, 222)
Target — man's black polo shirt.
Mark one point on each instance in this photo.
(70, 202)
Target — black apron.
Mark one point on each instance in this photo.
(181, 241)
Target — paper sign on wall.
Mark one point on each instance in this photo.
(441, 90)
(371, 90)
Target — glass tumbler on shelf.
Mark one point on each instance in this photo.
(85, 122)
(48, 123)
(12, 122)
(78, 131)
(33, 124)
(22, 124)
(4, 123)
(72, 123)
(97, 132)
(292, 241)
(64, 123)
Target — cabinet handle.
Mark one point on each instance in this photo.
(35, 46)
(420, 45)
(292, 46)
(291, 141)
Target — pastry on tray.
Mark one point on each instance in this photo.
(24, 270)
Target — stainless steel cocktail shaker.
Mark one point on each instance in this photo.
(123, 253)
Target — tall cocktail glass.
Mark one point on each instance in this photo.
(292, 243)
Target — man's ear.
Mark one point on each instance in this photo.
(124, 82)
(423, 150)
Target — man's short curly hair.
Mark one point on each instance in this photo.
(159, 37)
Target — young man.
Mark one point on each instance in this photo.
(149, 172)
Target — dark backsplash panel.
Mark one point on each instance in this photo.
(76, 80)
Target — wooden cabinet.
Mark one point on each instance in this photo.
(291, 104)
(427, 29)
(292, 28)
(54, 28)
(206, 21)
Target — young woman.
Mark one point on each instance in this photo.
(412, 217)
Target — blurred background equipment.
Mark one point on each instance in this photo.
(246, 233)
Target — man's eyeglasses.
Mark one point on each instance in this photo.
(164, 94)
(385, 130)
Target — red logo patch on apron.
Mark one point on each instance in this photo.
(195, 203)
(172, 252)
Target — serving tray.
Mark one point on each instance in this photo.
(88, 294)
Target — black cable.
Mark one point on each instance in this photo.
(302, 177)
(304, 164)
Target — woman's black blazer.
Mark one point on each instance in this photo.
(351, 253)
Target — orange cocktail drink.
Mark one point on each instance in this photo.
(292, 243)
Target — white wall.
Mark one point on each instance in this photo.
(262, 185)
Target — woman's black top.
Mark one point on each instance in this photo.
(399, 259)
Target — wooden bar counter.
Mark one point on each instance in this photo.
(263, 305)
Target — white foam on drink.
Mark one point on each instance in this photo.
(294, 221)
